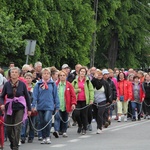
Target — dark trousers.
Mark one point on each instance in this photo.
(81, 114)
(144, 108)
(63, 121)
(147, 106)
(31, 127)
(13, 132)
(106, 115)
(90, 114)
(129, 115)
(98, 112)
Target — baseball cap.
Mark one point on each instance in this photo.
(65, 66)
(105, 71)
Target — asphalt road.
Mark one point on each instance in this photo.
(118, 136)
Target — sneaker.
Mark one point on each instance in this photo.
(65, 135)
(19, 143)
(60, 133)
(23, 140)
(43, 141)
(119, 119)
(99, 131)
(56, 134)
(133, 119)
(148, 117)
(83, 132)
(116, 118)
(74, 124)
(90, 127)
(40, 138)
(48, 141)
(144, 116)
(106, 124)
(79, 130)
(30, 140)
(125, 118)
(109, 121)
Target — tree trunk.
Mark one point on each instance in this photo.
(113, 50)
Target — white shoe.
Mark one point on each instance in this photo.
(65, 134)
(19, 143)
(99, 131)
(119, 119)
(125, 118)
(48, 141)
(43, 141)
(148, 117)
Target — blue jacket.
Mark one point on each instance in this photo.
(45, 99)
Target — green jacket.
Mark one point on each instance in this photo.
(89, 91)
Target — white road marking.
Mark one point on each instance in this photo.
(59, 145)
(84, 136)
(131, 125)
(122, 125)
(74, 140)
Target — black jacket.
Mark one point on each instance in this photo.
(113, 89)
(21, 91)
(99, 83)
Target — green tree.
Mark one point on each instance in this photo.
(33, 18)
(71, 25)
(121, 33)
(11, 32)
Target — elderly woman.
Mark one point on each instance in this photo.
(67, 98)
(85, 96)
(45, 100)
(17, 105)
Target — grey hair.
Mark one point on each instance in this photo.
(38, 63)
(15, 68)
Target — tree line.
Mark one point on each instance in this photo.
(115, 33)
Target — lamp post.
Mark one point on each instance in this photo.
(93, 44)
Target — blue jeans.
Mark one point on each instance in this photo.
(38, 125)
(57, 122)
(138, 106)
(45, 116)
(63, 121)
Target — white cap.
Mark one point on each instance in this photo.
(105, 71)
(65, 66)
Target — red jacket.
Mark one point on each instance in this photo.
(70, 96)
(142, 94)
(125, 89)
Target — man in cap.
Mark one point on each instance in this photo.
(113, 97)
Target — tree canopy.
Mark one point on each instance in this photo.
(64, 32)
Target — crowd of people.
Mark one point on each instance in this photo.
(34, 99)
